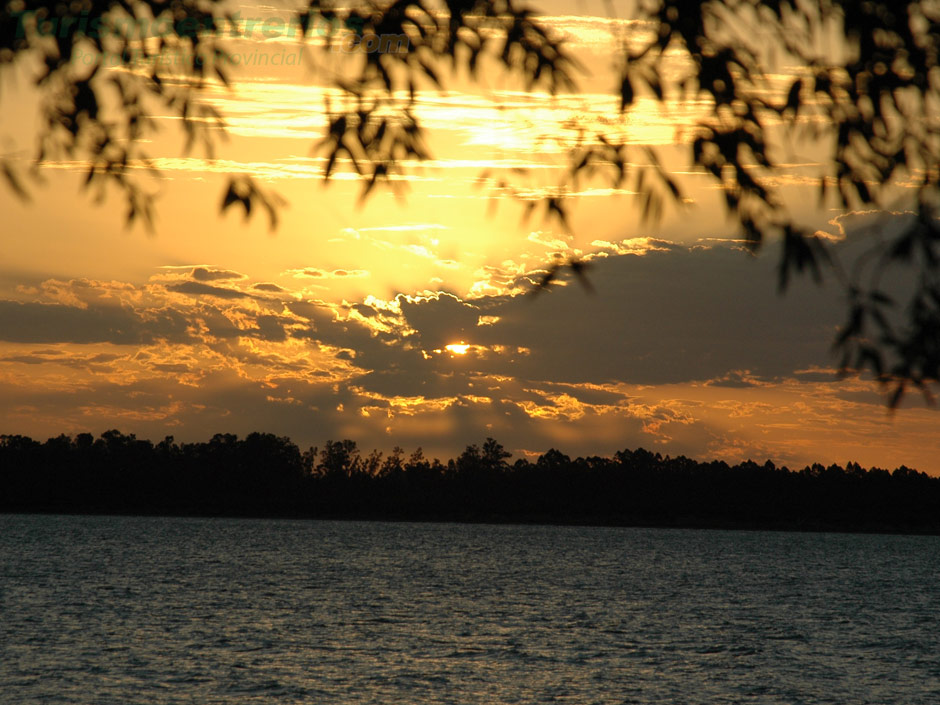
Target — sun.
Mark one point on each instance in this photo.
(460, 348)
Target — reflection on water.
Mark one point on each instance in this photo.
(157, 610)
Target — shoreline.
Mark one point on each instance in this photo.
(818, 527)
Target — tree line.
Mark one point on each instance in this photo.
(268, 475)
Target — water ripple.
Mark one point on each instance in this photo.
(164, 611)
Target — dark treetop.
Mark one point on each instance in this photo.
(267, 475)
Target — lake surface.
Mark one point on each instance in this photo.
(97, 610)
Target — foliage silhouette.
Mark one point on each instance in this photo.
(861, 96)
(267, 475)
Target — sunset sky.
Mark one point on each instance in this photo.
(409, 320)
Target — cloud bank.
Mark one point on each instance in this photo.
(684, 350)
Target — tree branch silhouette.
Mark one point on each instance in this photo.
(862, 91)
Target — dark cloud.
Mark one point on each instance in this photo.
(671, 316)
(441, 320)
(270, 328)
(816, 375)
(268, 287)
(103, 357)
(197, 289)
(415, 380)
(374, 349)
(734, 380)
(664, 317)
(170, 367)
(26, 359)
(667, 317)
(589, 395)
(365, 310)
(54, 323)
(317, 273)
(205, 274)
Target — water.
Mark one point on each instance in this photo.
(98, 610)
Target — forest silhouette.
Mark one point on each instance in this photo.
(267, 475)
